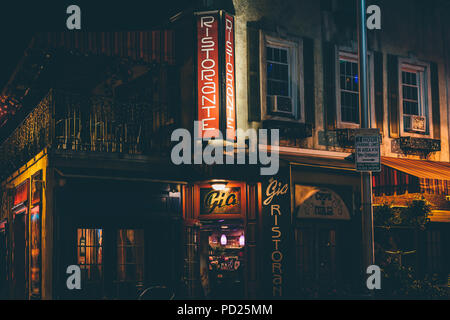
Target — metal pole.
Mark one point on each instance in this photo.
(366, 177)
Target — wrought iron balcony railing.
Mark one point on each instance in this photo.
(67, 121)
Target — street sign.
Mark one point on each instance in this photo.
(367, 150)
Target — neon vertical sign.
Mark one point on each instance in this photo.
(215, 66)
(208, 74)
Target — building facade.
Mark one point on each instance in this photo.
(88, 180)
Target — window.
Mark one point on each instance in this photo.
(90, 254)
(3, 260)
(280, 79)
(35, 238)
(130, 255)
(349, 89)
(35, 263)
(413, 83)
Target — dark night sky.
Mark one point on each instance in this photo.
(20, 19)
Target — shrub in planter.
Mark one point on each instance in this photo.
(401, 282)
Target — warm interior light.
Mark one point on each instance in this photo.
(219, 185)
(223, 240)
(242, 240)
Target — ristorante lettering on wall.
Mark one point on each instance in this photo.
(276, 220)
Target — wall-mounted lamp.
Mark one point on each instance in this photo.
(219, 185)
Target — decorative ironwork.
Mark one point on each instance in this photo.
(68, 121)
(290, 131)
(29, 138)
(412, 145)
(346, 138)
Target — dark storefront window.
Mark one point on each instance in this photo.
(20, 254)
(90, 254)
(35, 235)
(35, 262)
(130, 255)
(3, 260)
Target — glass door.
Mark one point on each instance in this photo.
(90, 259)
(222, 261)
(111, 262)
(130, 263)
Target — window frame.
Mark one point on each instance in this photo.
(85, 267)
(351, 55)
(415, 65)
(135, 263)
(295, 52)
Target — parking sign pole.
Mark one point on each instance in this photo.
(366, 177)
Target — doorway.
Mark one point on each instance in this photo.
(319, 256)
(222, 260)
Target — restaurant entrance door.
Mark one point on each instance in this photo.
(317, 260)
(222, 260)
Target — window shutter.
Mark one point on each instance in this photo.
(254, 100)
(378, 88)
(329, 82)
(435, 107)
(308, 75)
(393, 84)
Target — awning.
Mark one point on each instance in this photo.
(419, 168)
(415, 176)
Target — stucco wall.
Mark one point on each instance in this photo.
(408, 29)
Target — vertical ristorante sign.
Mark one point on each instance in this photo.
(276, 216)
(215, 68)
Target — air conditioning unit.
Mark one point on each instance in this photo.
(280, 104)
(413, 123)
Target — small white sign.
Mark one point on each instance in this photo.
(367, 150)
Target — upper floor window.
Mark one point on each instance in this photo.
(349, 88)
(280, 78)
(413, 93)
